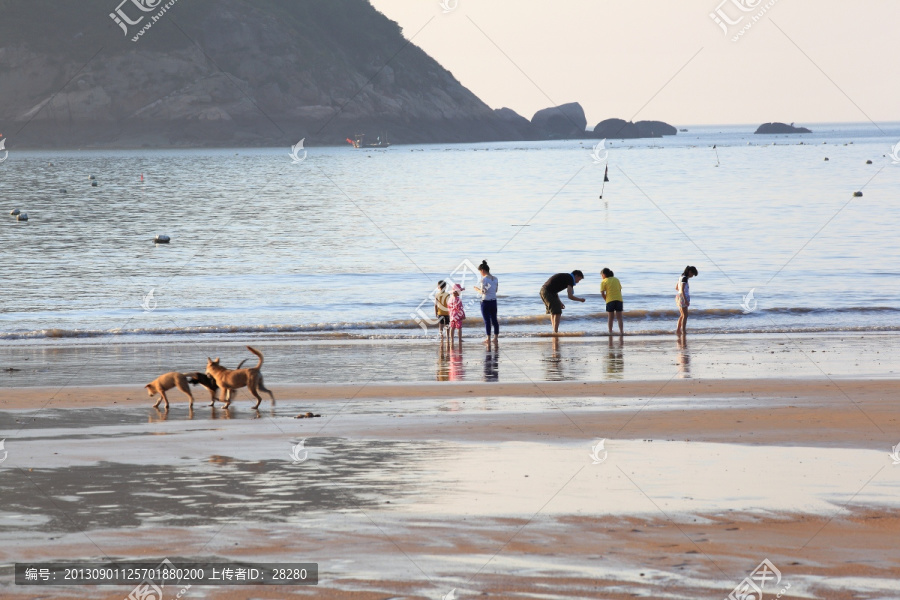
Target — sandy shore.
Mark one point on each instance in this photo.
(858, 413)
(497, 488)
(412, 490)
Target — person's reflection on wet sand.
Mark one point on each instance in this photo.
(615, 358)
(443, 365)
(554, 362)
(684, 358)
(457, 370)
(491, 361)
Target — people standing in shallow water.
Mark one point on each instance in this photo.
(550, 294)
(611, 290)
(683, 298)
(488, 290)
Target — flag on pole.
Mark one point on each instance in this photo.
(606, 174)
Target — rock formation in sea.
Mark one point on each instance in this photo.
(566, 121)
(621, 129)
(523, 126)
(769, 128)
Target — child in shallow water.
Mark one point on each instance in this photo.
(457, 312)
(683, 298)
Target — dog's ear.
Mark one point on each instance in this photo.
(217, 360)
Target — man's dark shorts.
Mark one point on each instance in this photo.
(614, 306)
(444, 320)
(551, 302)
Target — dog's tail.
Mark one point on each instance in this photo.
(259, 354)
(241, 364)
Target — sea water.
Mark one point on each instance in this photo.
(351, 242)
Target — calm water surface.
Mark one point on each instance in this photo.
(351, 242)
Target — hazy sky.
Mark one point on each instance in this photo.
(616, 56)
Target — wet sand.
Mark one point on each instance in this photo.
(409, 490)
(117, 361)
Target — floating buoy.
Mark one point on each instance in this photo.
(857, 194)
(161, 239)
(14, 211)
(868, 162)
(91, 177)
(826, 158)
(63, 191)
(142, 176)
(94, 184)
(22, 217)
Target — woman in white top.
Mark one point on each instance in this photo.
(683, 298)
(488, 290)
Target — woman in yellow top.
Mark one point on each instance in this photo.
(611, 289)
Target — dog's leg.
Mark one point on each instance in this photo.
(212, 396)
(226, 397)
(262, 387)
(184, 387)
(160, 399)
(252, 387)
(162, 393)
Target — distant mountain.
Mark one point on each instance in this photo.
(225, 72)
(769, 128)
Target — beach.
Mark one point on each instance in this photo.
(380, 300)
(496, 488)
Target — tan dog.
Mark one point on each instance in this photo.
(230, 380)
(167, 381)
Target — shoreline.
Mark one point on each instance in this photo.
(323, 334)
(578, 359)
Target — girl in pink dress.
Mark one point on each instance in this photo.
(457, 312)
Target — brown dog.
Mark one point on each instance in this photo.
(230, 380)
(198, 378)
(167, 381)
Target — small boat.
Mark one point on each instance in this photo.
(358, 141)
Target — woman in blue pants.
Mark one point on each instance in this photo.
(488, 291)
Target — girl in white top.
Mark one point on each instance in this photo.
(488, 290)
(683, 298)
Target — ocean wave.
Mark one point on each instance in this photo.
(409, 329)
